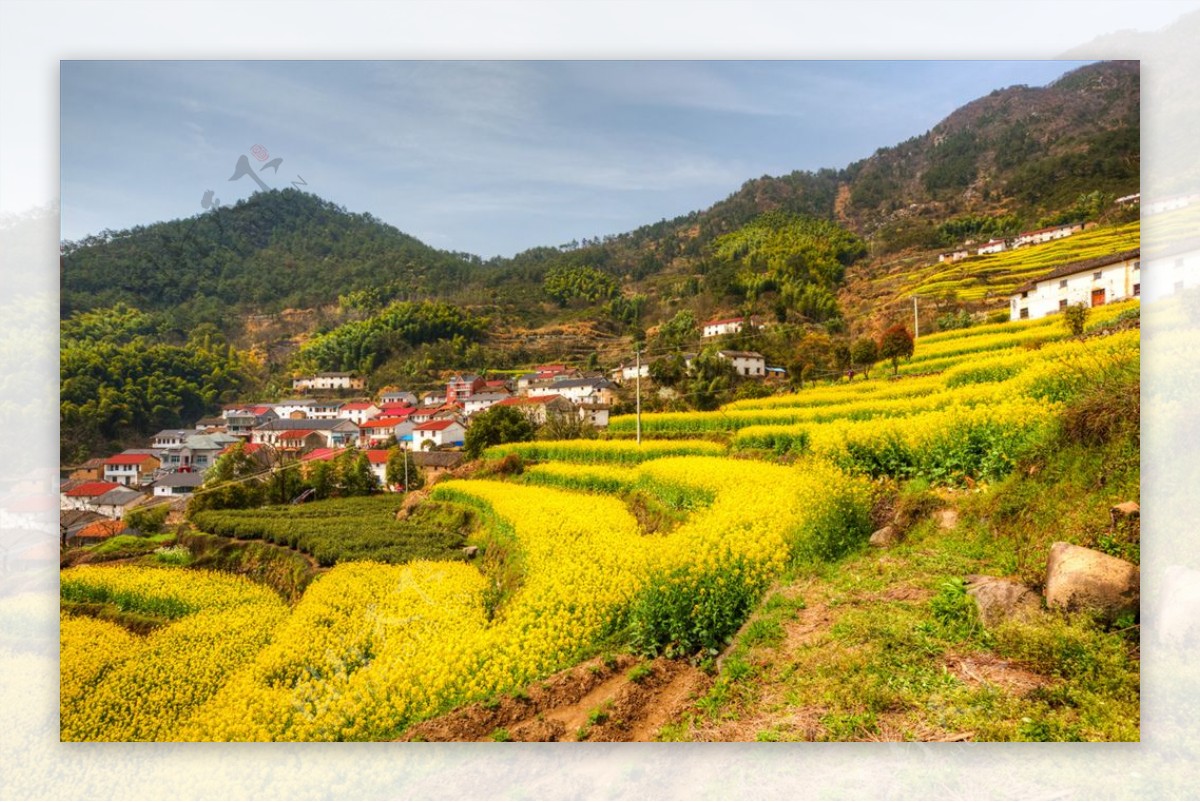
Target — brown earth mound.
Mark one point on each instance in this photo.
(621, 699)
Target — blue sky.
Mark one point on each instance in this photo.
(492, 157)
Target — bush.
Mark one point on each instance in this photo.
(1075, 318)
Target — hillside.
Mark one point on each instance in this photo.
(720, 589)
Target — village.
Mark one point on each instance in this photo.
(332, 412)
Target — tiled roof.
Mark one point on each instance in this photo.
(725, 320)
(519, 401)
(382, 423)
(127, 459)
(90, 489)
(1083, 266)
(435, 425)
(377, 456)
(180, 479)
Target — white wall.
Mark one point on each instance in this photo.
(1117, 280)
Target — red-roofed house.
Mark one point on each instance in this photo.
(376, 431)
(539, 408)
(322, 454)
(446, 432)
(131, 470)
(378, 458)
(81, 496)
(358, 412)
(727, 325)
(462, 385)
(100, 530)
(299, 441)
(396, 410)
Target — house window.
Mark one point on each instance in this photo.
(1025, 294)
(1137, 289)
(1097, 275)
(1062, 304)
(1062, 285)
(1024, 313)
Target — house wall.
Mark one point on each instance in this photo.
(1118, 281)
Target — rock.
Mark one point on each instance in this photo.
(947, 518)
(1086, 579)
(470, 551)
(1001, 599)
(887, 536)
(1123, 511)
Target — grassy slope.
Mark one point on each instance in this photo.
(885, 645)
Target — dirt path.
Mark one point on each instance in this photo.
(623, 699)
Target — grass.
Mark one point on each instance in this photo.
(888, 645)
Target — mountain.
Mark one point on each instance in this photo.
(1018, 157)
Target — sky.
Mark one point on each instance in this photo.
(486, 157)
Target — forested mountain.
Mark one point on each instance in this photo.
(271, 251)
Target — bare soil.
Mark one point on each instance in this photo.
(594, 701)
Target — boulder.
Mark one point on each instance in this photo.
(887, 536)
(1086, 579)
(947, 518)
(1125, 511)
(1001, 599)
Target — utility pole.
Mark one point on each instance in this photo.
(637, 378)
(406, 470)
(916, 320)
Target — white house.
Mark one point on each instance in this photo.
(1046, 234)
(378, 430)
(540, 408)
(168, 438)
(358, 412)
(398, 397)
(954, 256)
(439, 433)
(1091, 282)
(595, 414)
(746, 363)
(325, 410)
(728, 325)
(329, 381)
(174, 485)
(481, 401)
(130, 470)
(626, 373)
(992, 246)
(293, 408)
(592, 390)
(335, 433)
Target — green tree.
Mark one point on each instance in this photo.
(148, 519)
(864, 354)
(402, 471)
(668, 371)
(284, 484)
(355, 474)
(896, 343)
(711, 379)
(680, 331)
(1075, 318)
(323, 479)
(812, 359)
(496, 425)
(230, 484)
(566, 426)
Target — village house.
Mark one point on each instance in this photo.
(295, 442)
(197, 453)
(727, 325)
(212, 424)
(595, 414)
(293, 408)
(746, 363)
(333, 432)
(329, 381)
(1091, 282)
(433, 398)
(992, 246)
(438, 433)
(593, 390)
(461, 386)
(402, 397)
(1046, 234)
(81, 495)
(481, 401)
(623, 373)
(325, 410)
(395, 410)
(377, 458)
(176, 485)
(378, 430)
(358, 412)
(239, 421)
(954, 256)
(538, 409)
(90, 471)
(171, 438)
(130, 470)
(115, 503)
